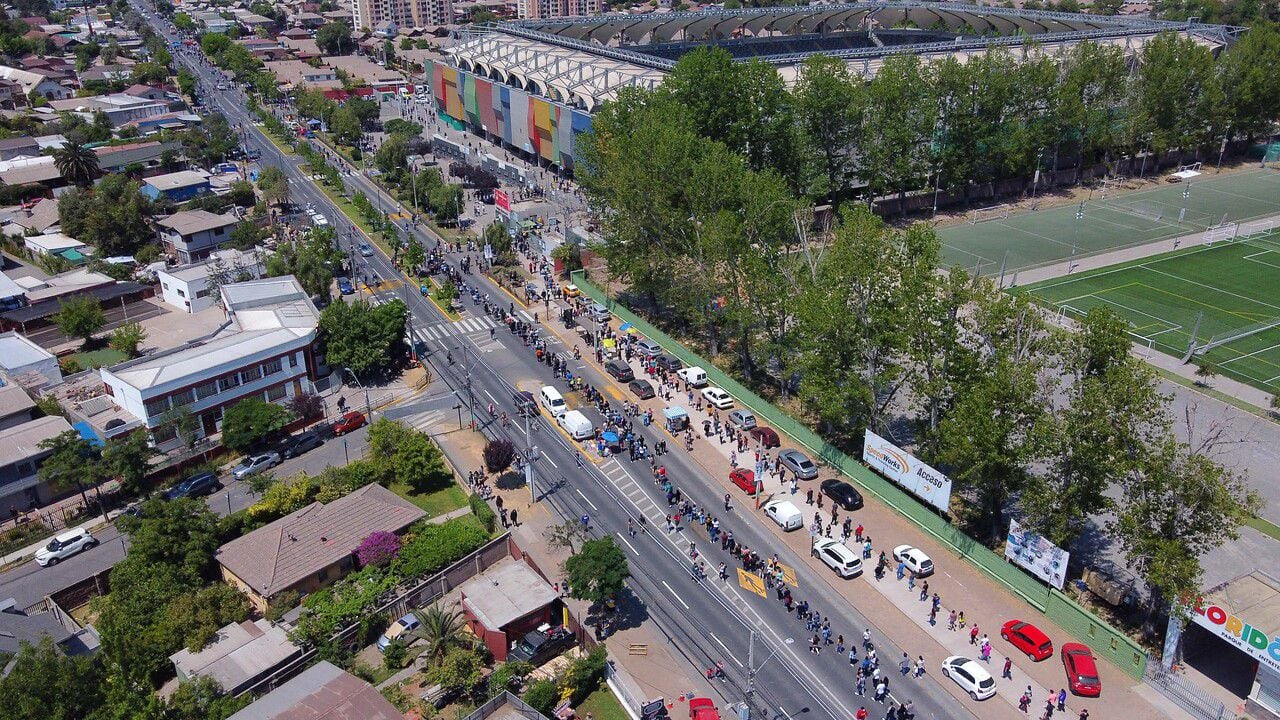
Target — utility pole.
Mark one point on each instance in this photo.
(530, 452)
(752, 668)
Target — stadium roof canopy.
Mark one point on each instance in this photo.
(583, 61)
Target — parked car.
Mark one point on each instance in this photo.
(744, 419)
(668, 363)
(348, 422)
(598, 312)
(1082, 671)
(642, 389)
(198, 485)
(915, 560)
(785, 513)
(744, 479)
(766, 436)
(398, 628)
(1028, 638)
(842, 494)
(540, 645)
(365, 250)
(718, 398)
(695, 376)
(837, 556)
(619, 370)
(254, 465)
(648, 348)
(571, 291)
(970, 676)
(798, 463)
(295, 445)
(345, 287)
(64, 546)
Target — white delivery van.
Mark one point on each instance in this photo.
(695, 376)
(577, 425)
(786, 514)
(553, 401)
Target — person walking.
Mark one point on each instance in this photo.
(951, 621)
(1007, 672)
(1024, 702)
(904, 665)
(861, 714)
(924, 591)
(1048, 709)
(919, 673)
(973, 634)
(1084, 714)
(866, 639)
(1062, 699)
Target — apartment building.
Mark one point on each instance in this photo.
(543, 9)
(402, 13)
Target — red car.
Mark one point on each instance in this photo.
(744, 479)
(1082, 671)
(348, 422)
(1028, 639)
(765, 436)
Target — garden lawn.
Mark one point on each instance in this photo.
(435, 503)
(94, 359)
(602, 705)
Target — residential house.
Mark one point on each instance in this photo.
(18, 627)
(190, 288)
(123, 158)
(291, 74)
(215, 23)
(12, 295)
(505, 602)
(33, 81)
(312, 547)
(16, 406)
(238, 656)
(120, 108)
(31, 170)
(20, 459)
(364, 71)
(322, 692)
(191, 235)
(51, 244)
(36, 216)
(147, 91)
(266, 350)
(26, 363)
(107, 74)
(177, 186)
(16, 147)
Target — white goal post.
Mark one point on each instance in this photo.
(1221, 233)
(1111, 184)
(995, 212)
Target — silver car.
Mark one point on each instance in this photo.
(256, 464)
(798, 463)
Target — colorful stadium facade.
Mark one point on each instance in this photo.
(535, 125)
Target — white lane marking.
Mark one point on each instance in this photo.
(675, 595)
(627, 543)
(727, 651)
(584, 497)
(492, 399)
(548, 459)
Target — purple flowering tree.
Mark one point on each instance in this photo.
(378, 549)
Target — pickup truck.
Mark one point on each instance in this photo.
(703, 709)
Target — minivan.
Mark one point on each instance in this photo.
(695, 376)
(786, 514)
(577, 425)
(553, 401)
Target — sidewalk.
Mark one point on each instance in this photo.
(90, 525)
(957, 583)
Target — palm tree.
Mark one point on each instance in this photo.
(442, 630)
(77, 163)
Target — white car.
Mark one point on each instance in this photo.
(718, 398)
(785, 513)
(970, 675)
(915, 560)
(64, 546)
(835, 555)
(254, 465)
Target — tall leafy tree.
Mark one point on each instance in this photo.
(46, 683)
(1251, 83)
(896, 121)
(252, 421)
(1176, 98)
(1090, 100)
(72, 464)
(597, 571)
(826, 99)
(360, 336)
(77, 163)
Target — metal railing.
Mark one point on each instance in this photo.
(519, 706)
(1185, 694)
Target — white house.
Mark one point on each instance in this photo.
(188, 287)
(26, 363)
(191, 235)
(266, 350)
(54, 244)
(30, 82)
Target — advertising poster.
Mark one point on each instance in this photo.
(907, 470)
(1033, 553)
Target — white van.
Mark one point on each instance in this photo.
(695, 376)
(553, 401)
(787, 515)
(577, 425)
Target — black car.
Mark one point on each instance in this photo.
(641, 388)
(199, 485)
(619, 370)
(842, 494)
(300, 443)
(538, 647)
(526, 405)
(668, 363)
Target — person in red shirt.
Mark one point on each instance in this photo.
(861, 714)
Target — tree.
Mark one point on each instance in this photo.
(335, 39)
(246, 235)
(568, 534)
(1252, 88)
(1177, 100)
(273, 185)
(360, 336)
(184, 424)
(128, 458)
(127, 338)
(598, 571)
(77, 163)
(1178, 508)
(203, 699)
(305, 405)
(112, 216)
(311, 260)
(420, 464)
(183, 22)
(80, 316)
(498, 455)
(180, 534)
(194, 618)
(345, 126)
(414, 255)
(442, 631)
(242, 194)
(251, 422)
(826, 98)
(72, 464)
(46, 683)
(379, 549)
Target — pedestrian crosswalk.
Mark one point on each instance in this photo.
(465, 326)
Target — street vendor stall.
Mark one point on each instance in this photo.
(675, 418)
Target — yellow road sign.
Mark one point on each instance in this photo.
(751, 582)
(789, 575)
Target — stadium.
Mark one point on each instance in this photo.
(534, 83)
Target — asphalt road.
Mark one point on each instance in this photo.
(708, 620)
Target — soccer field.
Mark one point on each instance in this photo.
(1111, 220)
(1229, 287)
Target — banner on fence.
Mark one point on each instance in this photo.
(502, 200)
(1032, 552)
(907, 470)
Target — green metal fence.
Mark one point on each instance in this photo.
(1092, 631)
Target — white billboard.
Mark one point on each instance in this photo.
(907, 470)
(1032, 552)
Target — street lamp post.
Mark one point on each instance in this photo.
(368, 410)
(752, 668)
(530, 452)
